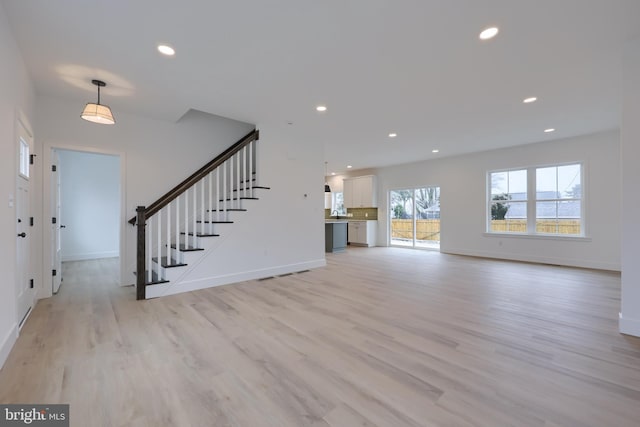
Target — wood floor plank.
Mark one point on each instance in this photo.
(380, 337)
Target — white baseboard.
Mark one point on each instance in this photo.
(7, 343)
(537, 259)
(91, 255)
(629, 326)
(155, 291)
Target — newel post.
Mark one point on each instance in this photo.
(141, 276)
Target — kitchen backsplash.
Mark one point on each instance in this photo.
(356, 213)
(363, 213)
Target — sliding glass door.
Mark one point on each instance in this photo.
(415, 217)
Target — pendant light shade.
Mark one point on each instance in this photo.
(327, 189)
(98, 113)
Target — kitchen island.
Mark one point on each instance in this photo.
(335, 236)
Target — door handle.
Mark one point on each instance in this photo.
(63, 226)
(23, 234)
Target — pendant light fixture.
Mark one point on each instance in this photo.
(98, 113)
(327, 189)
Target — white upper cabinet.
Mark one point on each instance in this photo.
(360, 192)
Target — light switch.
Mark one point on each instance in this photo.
(10, 200)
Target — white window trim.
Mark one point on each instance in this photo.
(532, 201)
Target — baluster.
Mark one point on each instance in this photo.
(244, 171)
(177, 226)
(194, 213)
(159, 244)
(224, 191)
(210, 196)
(251, 166)
(231, 181)
(237, 185)
(186, 219)
(149, 250)
(256, 173)
(168, 239)
(202, 204)
(217, 192)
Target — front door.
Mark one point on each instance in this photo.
(25, 289)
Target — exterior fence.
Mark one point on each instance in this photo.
(429, 229)
(549, 226)
(426, 229)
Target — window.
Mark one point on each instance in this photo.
(24, 158)
(508, 206)
(337, 203)
(537, 200)
(559, 200)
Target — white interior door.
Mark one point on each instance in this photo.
(25, 290)
(56, 256)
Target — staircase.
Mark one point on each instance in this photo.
(175, 232)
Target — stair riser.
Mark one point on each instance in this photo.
(172, 274)
(185, 257)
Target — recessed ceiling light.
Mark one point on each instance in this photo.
(349, 166)
(530, 100)
(435, 151)
(321, 108)
(333, 173)
(549, 130)
(393, 135)
(489, 33)
(166, 50)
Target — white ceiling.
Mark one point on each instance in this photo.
(415, 67)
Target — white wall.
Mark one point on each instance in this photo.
(90, 205)
(630, 152)
(463, 199)
(156, 155)
(16, 98)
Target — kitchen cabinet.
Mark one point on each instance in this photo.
(362, 233)
(360, 192)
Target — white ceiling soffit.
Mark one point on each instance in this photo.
(416, 68)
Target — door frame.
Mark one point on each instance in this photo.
(46, 288)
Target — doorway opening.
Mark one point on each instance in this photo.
(414, 217)
(86, 209)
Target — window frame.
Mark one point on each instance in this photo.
(532, 201)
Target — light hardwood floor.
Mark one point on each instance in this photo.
(380, 337)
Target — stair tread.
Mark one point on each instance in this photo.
(259, 187)
(203, 234)
(169, 263)
(154, 278)
(185, 248)
(240, 198)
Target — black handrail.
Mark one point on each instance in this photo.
(176, 191)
